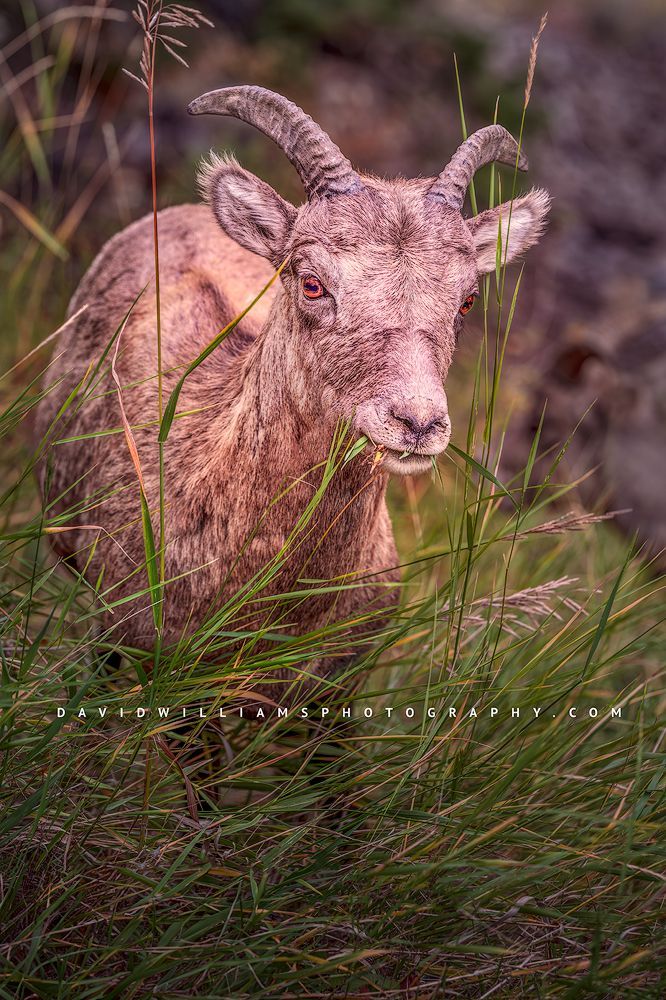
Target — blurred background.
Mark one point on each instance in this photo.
(589, 338)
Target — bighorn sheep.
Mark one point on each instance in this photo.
(362, 325)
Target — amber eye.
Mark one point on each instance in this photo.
(467, 305)
(312, 287)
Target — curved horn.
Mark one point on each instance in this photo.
(485, 146)
(321, 166)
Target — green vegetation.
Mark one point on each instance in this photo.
(417, 854)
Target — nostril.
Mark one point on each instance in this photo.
(410, 421)
(431, 425)
(421, 427)
(438, 423)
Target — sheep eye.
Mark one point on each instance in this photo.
(467, 305)
(312, 287)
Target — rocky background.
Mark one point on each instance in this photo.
(590, 331)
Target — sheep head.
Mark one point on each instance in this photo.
(379, 272)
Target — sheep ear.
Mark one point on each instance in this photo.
(525, 225)
(247, 209)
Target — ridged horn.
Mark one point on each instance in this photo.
(321, 166)
(488, 145)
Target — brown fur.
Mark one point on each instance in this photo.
(375, 350)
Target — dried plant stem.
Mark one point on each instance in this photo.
(506, 233)
(533, 58)
(152, 16)
(158, 322)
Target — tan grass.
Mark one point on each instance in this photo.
(534, 48)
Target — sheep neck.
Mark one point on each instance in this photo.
(282, 434)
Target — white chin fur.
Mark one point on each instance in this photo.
(410, 465)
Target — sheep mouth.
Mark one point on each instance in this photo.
(403, 463)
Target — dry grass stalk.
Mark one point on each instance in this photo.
(533, 58)
(534, 603)
(566, 522)
(153, 17)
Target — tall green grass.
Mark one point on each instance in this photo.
(416, 854)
